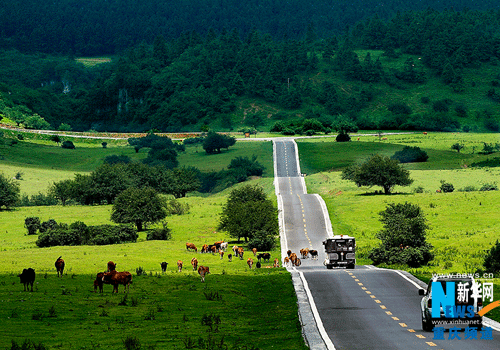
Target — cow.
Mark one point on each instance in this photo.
(111, 266)
(204, 249)
(179, 265)
(115, 278)
(223, 246)
(218, 244)
(212, 248)
(250, 262)
(293, 258)
(164, 266)
(230, 257)
(265, 256)
(289, 252)
(286, 261)
(221, 253)
(235, 250)
(254, 250)
(276, 263)
(240, 253)
(258, 265)
(194, 262)
(27, 278)
(59, 266)
(191, 246)
(98, 283)
(297, 262)
(304, 253)
(314, 254)
(202, 271)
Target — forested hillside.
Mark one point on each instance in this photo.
(428, 69)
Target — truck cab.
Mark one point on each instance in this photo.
(340, 252)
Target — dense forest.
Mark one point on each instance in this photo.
(378, 73)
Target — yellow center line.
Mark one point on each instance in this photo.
(431, 343)
(403, 325)
(388, 312)
(420, 336)
(411, 330)
(395, 318)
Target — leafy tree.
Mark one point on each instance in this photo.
(180, 181)
(446, 187)
(62, 190)
(9, 192)
(248, 211)
(378, 171)
(457, 147)
(344, 126)
(492, 259)
(138, 206)
(214, 142)
(410, 155)
(251, 167)
(108, 181)
(403, 236)
(68, 144)
(32, 224)
(55, 138)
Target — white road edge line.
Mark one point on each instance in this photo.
(317, 318)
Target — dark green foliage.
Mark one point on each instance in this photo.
(279, 126)
(440, 106)
(9, 192)
(62, 190)
(262, 241)
(343, 137)
(457, 147)
(163, 234)
(214, 142)
(39, 199)
(492, 259)
(68, 144)
(115, 159)
(410, 155)
(28, 345)
(55, 138)
(446, 187)
(78, 234)
(162, 151)
(251, 167)
(403, 236)
(32, 224)
(138, 206)
(313, 125)
(180, 181)
(378, 171)
(104, 144)
(489, 187)
(248, 211)
(48, 225)
(193, 140)
(132, 343)
(399, 108)
(175, 207)
(20, 137)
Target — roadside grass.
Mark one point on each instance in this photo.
(163, 311)
(93, 61)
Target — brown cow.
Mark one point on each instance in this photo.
(293, 258)
(98, 283)
(218, 244)
(179, 265)
(111, 266)
(115, 278)
(191, 246)
(276, 263)
(286, 261)
(194, 262)
(203, 270)
(204, 249)
(297, 262)
(59, 266)
(250, 262)
(254, 250)
(164, 266)
(221, 253)
(240, 253)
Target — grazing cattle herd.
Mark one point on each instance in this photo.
(115, 278)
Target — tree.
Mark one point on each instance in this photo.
(378, 171)
(62, 190)
(180, 181)
(492, 259)
(108, 181)
(403, 236)
(247, 212)
(138, 206)
(9, 192)
(410, 155)
(457, 147)
(214, 142)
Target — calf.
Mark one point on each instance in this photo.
(164, 266)
(221, 253)
(204, 249)
(98, 283)
(111, 266)
(203, 270)
(230, 257)
(258, 265)
(179, 265)
(191, 246)
(314, 254)
(254, 250)
(59, 266)
(194, 262)
(223, 246)
(250, 262)
(27, 278)
(286, 261)
(115, 278)
(276, 263)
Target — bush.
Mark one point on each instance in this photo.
(32, 224)
(262, 241)
(489, 187)
(440, 106)
(40, 199)
(114, 159)
(468, 188)
(48, 225)
(104, 144)
(68, 145)
(159, 234)
(410, 155)
(446, 187)
(418, 189)
(110, 234)
(343, 137)
(175, 207)
(492, 259)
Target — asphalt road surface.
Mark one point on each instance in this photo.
(364, 308)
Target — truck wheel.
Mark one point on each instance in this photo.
(426, 326)
(329, 267)
(351, 266)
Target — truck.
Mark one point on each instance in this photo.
(340, 252)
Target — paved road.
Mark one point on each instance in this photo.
(365, 308)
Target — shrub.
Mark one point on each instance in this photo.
(40, 199)
(440, 106)
(174, 207)
(159, 234)
(410, 155)
(262, 241)
(131, 343)
(489, 187)
(110, 234)
(32, 224)
(418, 189)
(468, 188)
(104, 144)
(20, 137)
(68, 145)
(446, 187)
(114, 159)
(343, 137)
(48, 225)
(425, 99)
(279, 126)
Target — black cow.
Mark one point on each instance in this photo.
(314, 254)
(265, 256)
(258, 265)
(27, 278)
(164, 266)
